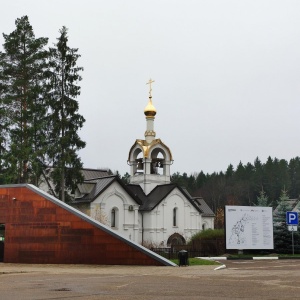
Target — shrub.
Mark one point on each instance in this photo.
(207, 234)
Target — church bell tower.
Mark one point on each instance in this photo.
(149, 159)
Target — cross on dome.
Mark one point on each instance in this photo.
(150, 90)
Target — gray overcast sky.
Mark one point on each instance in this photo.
(227, 76)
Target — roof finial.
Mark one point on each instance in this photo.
(150, 90)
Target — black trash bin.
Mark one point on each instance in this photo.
(183, 258)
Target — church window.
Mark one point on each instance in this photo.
(113, 220)
(175, 221)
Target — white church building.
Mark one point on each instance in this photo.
(150, 209)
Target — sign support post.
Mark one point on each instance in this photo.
(293, 241)
(292, 222)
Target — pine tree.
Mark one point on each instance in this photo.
(22, 83)
(65, 119)
(3, 136)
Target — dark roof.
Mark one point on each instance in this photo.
(86, 188)
(297, 205)
(138, 192)
(98, 186)
(292, 205)
(186, 192)
(160, 192)
(94, 173)
(200, 202)
(155, 196)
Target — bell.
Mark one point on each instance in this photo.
(140, 166)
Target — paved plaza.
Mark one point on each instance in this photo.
(267, 279)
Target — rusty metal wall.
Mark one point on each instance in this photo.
(40, 231)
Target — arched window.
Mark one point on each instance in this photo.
(175, 217)
(113, 217)
(204, 226)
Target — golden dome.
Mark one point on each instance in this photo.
(150, 110)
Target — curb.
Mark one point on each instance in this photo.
(250, 258)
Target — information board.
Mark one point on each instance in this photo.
(249, 227)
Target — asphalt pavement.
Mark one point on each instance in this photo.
(250, 279)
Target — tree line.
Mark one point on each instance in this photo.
(243, 185)
(39, 119)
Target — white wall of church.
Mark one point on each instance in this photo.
(208, 222)
(125, 217)
(159, 224)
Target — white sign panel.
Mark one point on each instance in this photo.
(249, 227)
(292, 228)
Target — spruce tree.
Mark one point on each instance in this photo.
(65, 119)
(282, 237)
(294, 177)
(262, 199)
(22, 104)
